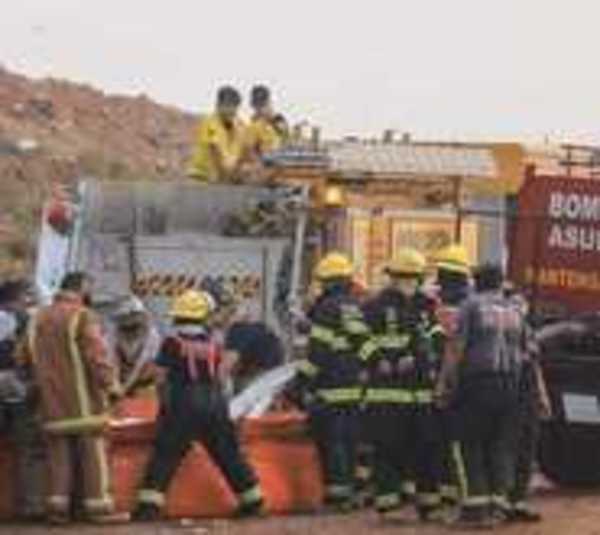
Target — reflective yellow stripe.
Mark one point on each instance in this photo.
(436, 330)
(152, 497)
(368, 349)
(476, 501)
(428, 499)
(74, 425)
(423, 397)
(341, 343)
(394, 341)
(78, 368)
(329, 338)
(387, 501)
(99, 505)
(103, 472)
(356, 327)
(339, 395)
(339, 491)
(449, 492)
(499, 501)
(461, 471)
(409, 488)
(389, 395)
(307, 368)
(251, 495)
(32, 332)
(322, 334)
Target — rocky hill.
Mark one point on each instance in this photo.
(54, 130)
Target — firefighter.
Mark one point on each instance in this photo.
(453, 279)
(69, 357)
(194, 409)
(18, 406)
(136, 345)
(400, 363)
(487, 357)
(331, 377)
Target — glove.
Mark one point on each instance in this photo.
(384, 367)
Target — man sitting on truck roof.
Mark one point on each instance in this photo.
(221, 141)
(263, 136)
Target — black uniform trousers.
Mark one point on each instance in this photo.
(197, 413)
(407, 444)
(527, 437)
(452, 487)
(488, 406)
(335, 431)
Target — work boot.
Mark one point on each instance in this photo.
(146, 512)
(58, 519)
(473, 518)
(250, 509)
(523, 512)
(436, 515)
(109, 518)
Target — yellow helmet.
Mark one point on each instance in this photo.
(191, 305)
(453, 258)
(334, 265)
(407, 262)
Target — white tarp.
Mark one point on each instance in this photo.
(255, 400)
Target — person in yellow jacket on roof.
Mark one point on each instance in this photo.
(263, 135)
(221, 141)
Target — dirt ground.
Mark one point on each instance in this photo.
(564, 514)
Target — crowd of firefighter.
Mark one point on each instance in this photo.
(426, 395)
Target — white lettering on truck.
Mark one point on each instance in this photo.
(574, 208)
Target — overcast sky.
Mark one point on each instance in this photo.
(437, 68)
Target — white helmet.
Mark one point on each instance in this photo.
(132, 305)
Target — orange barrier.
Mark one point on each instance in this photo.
(277, 446)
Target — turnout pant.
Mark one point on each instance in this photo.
(406, 443)
(198, 415)
(86, 455)
(488, 409)
(452, 486)
(526, 449)
(335, 431)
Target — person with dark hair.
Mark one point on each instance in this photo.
(18, 405)
(262, 135)
(488, 354)
(194, 409)
(66, 350)
(221, 138)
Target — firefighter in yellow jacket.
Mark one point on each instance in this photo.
(71, 366)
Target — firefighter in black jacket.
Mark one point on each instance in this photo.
(194, 408)
(401, 363)
(331, 376)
